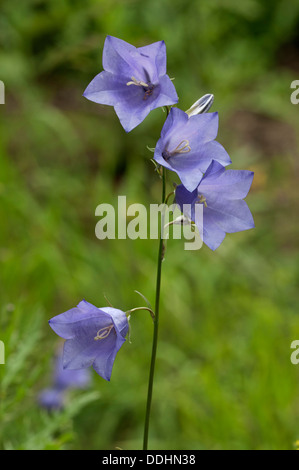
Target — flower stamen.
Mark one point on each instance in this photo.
(137, 82)
(148, 88)
(103, 332)
(182, 147)
(202, 200)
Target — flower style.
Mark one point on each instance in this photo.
(221, 192)
(187, 145)
(134, 81)
(93, 336)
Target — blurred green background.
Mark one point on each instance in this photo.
(224, 379)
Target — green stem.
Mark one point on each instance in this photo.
(156, 326)
(137, 309)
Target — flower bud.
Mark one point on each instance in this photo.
(201, 106)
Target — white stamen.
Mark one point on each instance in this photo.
(103, 332)
(183, 147)
(137, 82)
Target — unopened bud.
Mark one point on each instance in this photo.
(201, 106)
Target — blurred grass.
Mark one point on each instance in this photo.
(224, 379)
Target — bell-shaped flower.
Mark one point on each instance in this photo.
(187, 145)
(134, 81)
(93, 336)
(221, 192)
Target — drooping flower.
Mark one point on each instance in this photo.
(221, 192)
(134, 81)
(93, 336)
(187, 145)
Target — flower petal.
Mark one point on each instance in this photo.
(213, 235)
(104, 362)
(185, 200)
(119, 319)
(119, 57)
(190, 177)
(107, 88)
(167, 93)
(232, 216)
(80, 352)
(231, 184)
(132, 114)
(213, 151)
(68, 323)
(157, 53)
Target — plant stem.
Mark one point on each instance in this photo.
(137, 309)
(156, 325)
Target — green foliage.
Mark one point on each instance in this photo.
(224, 379)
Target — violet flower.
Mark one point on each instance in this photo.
(221, 192)
(134, 81)
(93, 336)
(52, 399)
(65, 378)
(187, 145)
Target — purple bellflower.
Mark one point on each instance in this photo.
(52, 399)
(221, 192)
(93, 336)
(187, 145)
(134, 81)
